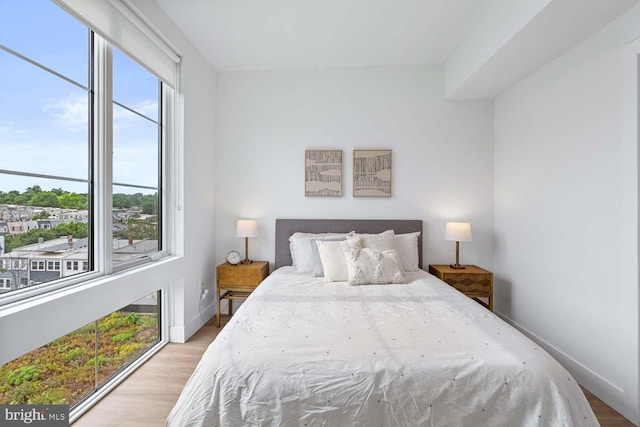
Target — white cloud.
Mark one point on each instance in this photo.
(70, 113)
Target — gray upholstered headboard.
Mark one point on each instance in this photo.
(286, 227)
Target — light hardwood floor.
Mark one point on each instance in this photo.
(146, 397)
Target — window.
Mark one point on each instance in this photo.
(88, 110)
(70, 368)
(136, 157)
(75, 265)
(51, 123)
(17, 263)
(37, 265)
(97, 174)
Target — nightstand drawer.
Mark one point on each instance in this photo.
(469, 282)
(473, 281)
(242, 276)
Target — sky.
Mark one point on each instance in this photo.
(43, 118)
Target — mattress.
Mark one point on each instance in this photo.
(303, 352)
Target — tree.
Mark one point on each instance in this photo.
(78, 230)
(149, 204)
(44, 198)
(33, 190)
(9, 198)
(30, 237)
(121, 201)
(73, 201)
(22, 199)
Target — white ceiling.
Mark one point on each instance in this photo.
(486, 45)
(276, 34)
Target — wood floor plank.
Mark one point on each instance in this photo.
(147, 396)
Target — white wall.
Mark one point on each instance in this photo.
(442, 153)
(566, 261)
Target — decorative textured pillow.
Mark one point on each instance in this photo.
(407, 246)
(371, 266)
(301, 251)
(318, 270)
(334, 262)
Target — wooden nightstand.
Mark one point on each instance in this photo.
(473, 281)
(238, 281)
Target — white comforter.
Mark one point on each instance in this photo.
(302, 352)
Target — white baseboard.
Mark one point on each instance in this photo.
(200, 320)
(176, 334)
(612, 394)
(181, 333)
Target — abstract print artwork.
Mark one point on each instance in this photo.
(323, 173)
(372, 173)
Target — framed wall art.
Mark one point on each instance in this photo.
(323, 173)
(371, 173)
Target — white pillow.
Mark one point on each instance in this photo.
(384, 241)
(293, 256)
(301, 251)
(407, 246)
(334, 262)
(371, 266)
(318, 270)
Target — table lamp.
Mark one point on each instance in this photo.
(457, 232)
(246, 228)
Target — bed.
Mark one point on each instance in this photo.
(303, 352)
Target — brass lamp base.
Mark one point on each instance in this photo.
(246, 259)
(457, 265)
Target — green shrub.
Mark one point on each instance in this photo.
(22, 374)
(149, 321)
(22, 393)
(101, 360)
(48, 397)
(133, 318)
(59, 372)
(130, 348)
(123, 336)
(75, 353)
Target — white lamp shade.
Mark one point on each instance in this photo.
(247, 228)
(457, 232)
